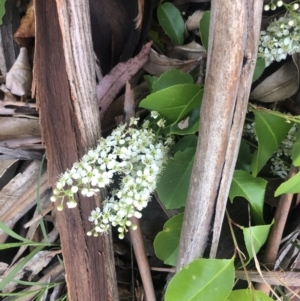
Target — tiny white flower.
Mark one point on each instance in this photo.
(74, 189)
(71, 204)
(154, 114)
(161, 123)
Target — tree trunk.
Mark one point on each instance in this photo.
(233, 41)
(64, 84)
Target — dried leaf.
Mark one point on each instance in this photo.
(27, 27)
(33, 266)
(5, 165)
(19, 195)
(35, 228)
(13, 128)
(193, 21)
(24, 143)
(191, 51)
(112, 83)
(296, 60)
(158, 64)
(129, 105)
(8, 153)
(19, 77)
(3, 267)
(279, 86)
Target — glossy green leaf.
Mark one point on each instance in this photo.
(259, 68)
(173, 185)
(174, 102)
(170, 19)
(172, 78)
(292, 185)
(244, 158)
(248, 295)
(295, 152)
(150, 80)
(255, 237)
(270, 130)
(204, 29)
(185, 142)
(202, 279)
(166, 242)
(2, 10)
(252, 189)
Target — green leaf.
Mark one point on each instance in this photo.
(252, 189)
(244, 158)
(185, 142)
(154, 36)
(173, 185)
(174, 102)
(202, 279)
(150, 80)
(13, 234)
(170, 19)
(26, 244)
(204, 29)
(270, 130)
(259, 68)
(172, 78)
(255, 236)
(2, 10)
(18, 267)
(248, 295)
(295, 152)
(292, 185)
(166, 242)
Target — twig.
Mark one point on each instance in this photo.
(136, 236)
(42, 214)
(272, 277)
(275, 235)
(141, 258)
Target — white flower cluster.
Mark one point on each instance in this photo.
(282, 37)
(279, 165)
(135, 156)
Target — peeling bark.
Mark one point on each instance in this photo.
(64, 83)
(234, 32)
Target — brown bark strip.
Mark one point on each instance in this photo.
(113, 82)
(251, 36)
(65, 92)
(276, 232)
(230, 66)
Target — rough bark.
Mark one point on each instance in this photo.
(64, 83)
(232, 49)
(9, 50)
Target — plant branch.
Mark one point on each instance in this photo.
(235, 26)
(276, 232)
